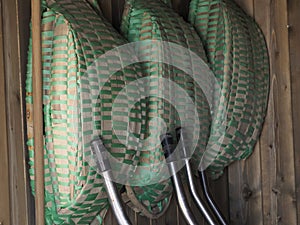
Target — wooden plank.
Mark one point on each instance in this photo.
(245, 191)
(171, 214)
(18, 189)
(143, 220)
(278, 171)
(37, 94)
(262, 11)
(159, 221)
(244, 187)
(294, 37)
(220, 193)
(4, 171)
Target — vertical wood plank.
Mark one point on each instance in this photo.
(268, 156)
(171, 214)
(245, 195)
(294, 35)
(278, 171)
(4, 171)
(18, 188)
(159, 221)
(245, 192)
(219, 191)
(143, 220)
(37, 94)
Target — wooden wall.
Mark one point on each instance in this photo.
(15, 200)
(265, 189)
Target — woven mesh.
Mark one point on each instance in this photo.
(154, 20)
(237, 53)
(73, 36)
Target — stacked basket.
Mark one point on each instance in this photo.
(75, 35)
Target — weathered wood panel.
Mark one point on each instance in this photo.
(4, 171)
(12, 28)
(220, 191)
(276, 156)
(278, 151)
(294, 38)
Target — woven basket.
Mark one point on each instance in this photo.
(73, 36)
(154, 20)
(237, 53)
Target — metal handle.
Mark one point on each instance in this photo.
(104, 167)
(210, 200)
(168, 147)
(192, 187)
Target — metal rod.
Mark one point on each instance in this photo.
(186, 156)
(168, 147)
(38, 112)
(104, 167)
(209, 198)
(195, 195)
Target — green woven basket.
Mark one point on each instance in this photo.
(73, 37)
(154, 20)
(237, 53)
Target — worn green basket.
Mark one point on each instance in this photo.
(237, 53)
(73, 36)
(154, 20)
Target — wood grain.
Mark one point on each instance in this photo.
(219, 190)
(282, 189)
(171, 214)
(294, 37)
(15, 126)
(37, 94)
(4, 171)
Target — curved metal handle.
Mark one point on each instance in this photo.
(185, 154)
(104, 167)
(209, 198)
(168, 147)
